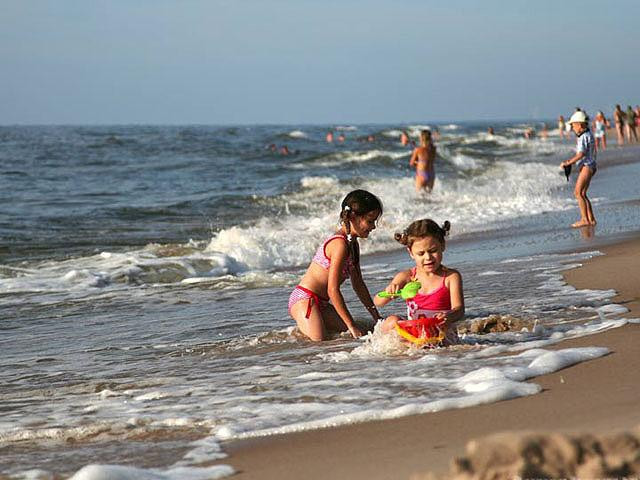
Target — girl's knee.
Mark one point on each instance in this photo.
(390, 323)
(315, 337)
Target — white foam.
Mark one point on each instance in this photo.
(612, 309)
(297, 134)
(33, 474)
(480, 386)
(120, 472)
(393, 133)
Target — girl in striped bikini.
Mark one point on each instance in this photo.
(316, 304)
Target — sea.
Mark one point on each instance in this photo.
(145, 273)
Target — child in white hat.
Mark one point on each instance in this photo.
(585, 158)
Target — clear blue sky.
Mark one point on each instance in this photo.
(313, 61)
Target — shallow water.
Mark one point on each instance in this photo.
(145, 273)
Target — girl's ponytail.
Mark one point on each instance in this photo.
(401, 237)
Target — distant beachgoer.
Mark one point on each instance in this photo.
(600, 131)
(371, 138)
(585, 158)
(341, 138)
(545, 131)
(440, 295)
(329, 136)
(638, 119)
(630, 125)
(490, 131)
(273, 147)
(423, 158)
(404, 138)
(529, 133)
(316, 304)
(561, 127)
(618, 120)
(284, 150)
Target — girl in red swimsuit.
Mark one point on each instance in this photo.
(337, 259)
(440, 296)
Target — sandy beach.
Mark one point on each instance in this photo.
(597, 396)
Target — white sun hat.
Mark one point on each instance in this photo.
(578, 117)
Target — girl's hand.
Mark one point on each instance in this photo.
(355, 331)
(393, 288)
(441, 316)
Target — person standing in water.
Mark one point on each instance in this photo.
(618, 120)
(630, 125)
(600, 131)
(585, 158)
(316, 304)
(561, 127)
(423, 158)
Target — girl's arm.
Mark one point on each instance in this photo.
(363, 293)
(573, 159)
(457, 300)
(337, 252)
(414, 158)
(399, 281)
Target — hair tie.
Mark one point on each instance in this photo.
(349, 237)
(347, 208)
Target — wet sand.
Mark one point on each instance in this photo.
(597, 396)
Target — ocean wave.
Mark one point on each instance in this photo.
(255, 254)
(503, 190)
(297, 134)
(350, 156)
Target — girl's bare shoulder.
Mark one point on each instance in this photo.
(452, 273)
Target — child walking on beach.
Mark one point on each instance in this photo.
(585, 158)
(423, 158)
(336, 259)
(440, 295)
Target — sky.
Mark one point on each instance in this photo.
(313, 61)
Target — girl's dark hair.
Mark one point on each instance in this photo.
(421, 229)
(358, 202)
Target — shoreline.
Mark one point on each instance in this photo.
(597, 396)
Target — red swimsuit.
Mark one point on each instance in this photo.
(422, 308)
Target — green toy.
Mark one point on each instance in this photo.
(410, 290)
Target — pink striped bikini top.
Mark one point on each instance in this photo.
(424, 305)
(321, 257)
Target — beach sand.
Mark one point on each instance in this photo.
(598, 396)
